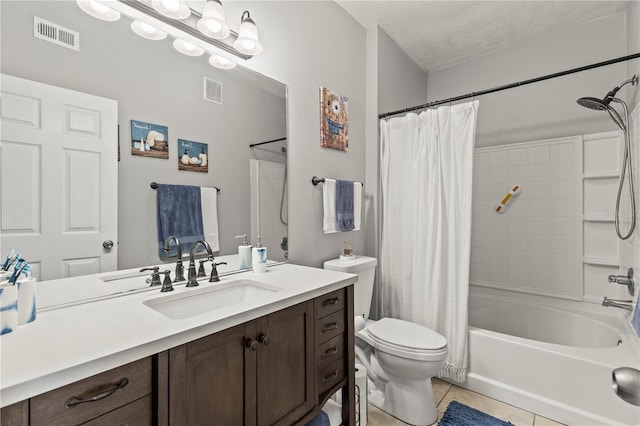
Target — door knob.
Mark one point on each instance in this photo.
(108, 244)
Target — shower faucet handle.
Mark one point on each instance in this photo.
(624, 280)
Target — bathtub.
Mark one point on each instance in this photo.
(551, 357)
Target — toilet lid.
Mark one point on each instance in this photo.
(406, 334)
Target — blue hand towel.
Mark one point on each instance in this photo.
(635, 319)
(321, 419)
(344, 204)
(180, 215)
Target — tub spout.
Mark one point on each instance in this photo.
(615, 303)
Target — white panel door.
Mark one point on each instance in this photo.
(59, 178)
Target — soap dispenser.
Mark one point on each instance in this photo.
(244, 253)
(259, 258)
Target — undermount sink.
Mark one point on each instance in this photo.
(200, 300)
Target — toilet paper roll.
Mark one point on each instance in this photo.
(358, 323)
(361, 382)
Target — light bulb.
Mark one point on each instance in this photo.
(188, 46)
(147, 28)
(213, 26)
(171, 5)
(248, 44)
(98, 7)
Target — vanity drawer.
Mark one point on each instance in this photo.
(139, 413)
(57, 406)
(330, 351)
(330, 303)
(329, 327)
(330, 376)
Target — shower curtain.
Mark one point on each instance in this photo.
(426, 165)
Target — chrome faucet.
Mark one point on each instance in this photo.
(624, 280)
(615, 303)
(179, 267)
(192, 275)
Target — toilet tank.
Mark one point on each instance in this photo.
(365, 268)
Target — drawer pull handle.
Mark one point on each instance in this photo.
(329, 352)
(330, 326)
(333, 301)
(73, 401)
(330, 377)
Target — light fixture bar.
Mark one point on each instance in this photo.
(126, 7)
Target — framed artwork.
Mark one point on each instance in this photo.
(193, 156)
(334, 120)
(149, 140)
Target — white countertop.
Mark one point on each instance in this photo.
(75, 342)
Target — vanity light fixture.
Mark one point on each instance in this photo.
(247, 41)
(193, 35)
(176, 9)
(212, 23)
(221, 62)
(147, 31)
(98, 10)
(187, 48)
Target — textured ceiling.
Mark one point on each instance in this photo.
(436, 34)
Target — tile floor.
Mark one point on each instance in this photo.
(445, 392)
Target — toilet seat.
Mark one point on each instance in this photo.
(406, 339)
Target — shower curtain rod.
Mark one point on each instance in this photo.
(271, 141)
(512, 85)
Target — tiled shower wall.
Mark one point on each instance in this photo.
(555, 237)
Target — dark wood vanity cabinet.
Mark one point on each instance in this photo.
(278, 369)
(257, 373)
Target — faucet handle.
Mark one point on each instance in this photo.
(214, 272)
(201, 272)
(166, 284)
(155, 275)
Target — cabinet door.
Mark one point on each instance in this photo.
(285, 388)
(208, 383)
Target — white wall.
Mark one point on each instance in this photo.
(546, 109)
(308, 45)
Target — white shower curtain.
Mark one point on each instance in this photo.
(426, 165)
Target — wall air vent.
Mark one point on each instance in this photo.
(212, 91)
(56, 34)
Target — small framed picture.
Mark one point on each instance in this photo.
(193, 156)
(149, 140)
(334, 120)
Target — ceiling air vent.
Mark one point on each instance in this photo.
(213, 91)
(56, 34)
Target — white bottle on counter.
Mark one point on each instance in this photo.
(244, 253)
(259, 258)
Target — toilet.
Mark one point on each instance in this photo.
(400, 357)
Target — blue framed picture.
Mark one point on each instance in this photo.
(149, 140)
(193, 156)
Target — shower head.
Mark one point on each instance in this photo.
(594, 103)
(603, 104)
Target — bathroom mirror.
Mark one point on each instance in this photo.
(228, 110)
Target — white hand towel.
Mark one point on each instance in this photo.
(357, 205)
(330, 222)
(209, 202)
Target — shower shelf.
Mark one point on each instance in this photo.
(600, 261)
(597, 218)
(601, 175)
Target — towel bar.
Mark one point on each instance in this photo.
(316, 180)
(154, 185)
